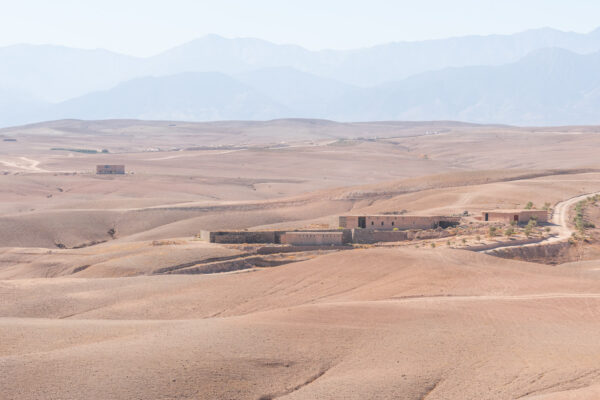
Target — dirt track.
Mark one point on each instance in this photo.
(562, 229)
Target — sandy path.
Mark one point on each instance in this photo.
(27, 164)
(196, 154)
(560, 217)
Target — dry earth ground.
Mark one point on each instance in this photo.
(91, 322)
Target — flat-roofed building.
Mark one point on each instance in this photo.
(300, 237)
(110, 169)
(400, 222)
(517, 216)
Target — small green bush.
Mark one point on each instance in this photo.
(529, 227)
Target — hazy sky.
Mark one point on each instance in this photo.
(146, 27)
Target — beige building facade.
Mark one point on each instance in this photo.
(400, 222)
(313, 238)
(516, 216)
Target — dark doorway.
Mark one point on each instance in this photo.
(516, 218)
(362, 222)
(487, 216)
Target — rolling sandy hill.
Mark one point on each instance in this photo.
(441, 324)
(89, 304)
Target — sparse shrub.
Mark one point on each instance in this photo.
(509, 231)
(448, 243)
(579, 221)
(492, 231)
(529, 205)
(433, 245)
(85, 151)
(529, 227)
(533, 222)
(395, 229)
(478, 238)
(547, 206)
(464, 241)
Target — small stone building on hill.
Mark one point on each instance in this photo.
(110, 169)
(398, 222)
(517, 216)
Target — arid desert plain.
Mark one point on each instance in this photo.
(108, 291)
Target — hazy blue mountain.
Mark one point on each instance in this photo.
(56, 73)
(541, 76)
(304, 94)
(216, 53)
(367, 66)
(399, 60)
(192, 96)
(549, 86)
(17, 106)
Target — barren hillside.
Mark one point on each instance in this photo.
(106, 290)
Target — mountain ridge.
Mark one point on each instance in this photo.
(290, 81)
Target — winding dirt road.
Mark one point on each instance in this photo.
(560, 219)
(25, 164)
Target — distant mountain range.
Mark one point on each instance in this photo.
(538, 77)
